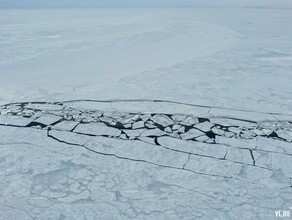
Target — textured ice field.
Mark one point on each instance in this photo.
(237, 58)
(145, 113)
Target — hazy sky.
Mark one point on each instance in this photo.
(141, 3)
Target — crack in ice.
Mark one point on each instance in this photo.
(192, 136)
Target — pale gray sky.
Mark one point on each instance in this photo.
(142, 3)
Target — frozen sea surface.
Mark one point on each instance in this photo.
(145, 113)
(238, 58)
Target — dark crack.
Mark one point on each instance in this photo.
(120, 121)
(150, 128)
(133, 159)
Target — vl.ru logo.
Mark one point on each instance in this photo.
(283, 213)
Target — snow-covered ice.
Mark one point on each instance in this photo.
(145, 113)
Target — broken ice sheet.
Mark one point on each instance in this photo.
(66, 125)
(241, 152)
(192, 133)
(47, 119)
(218, 151)
(15, 120)
(97, 129)
(162, 120)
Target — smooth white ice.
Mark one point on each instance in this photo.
(238, 58)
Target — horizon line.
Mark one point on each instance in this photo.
(141, 7)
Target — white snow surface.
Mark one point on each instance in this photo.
(236, 57)
(226, 157)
